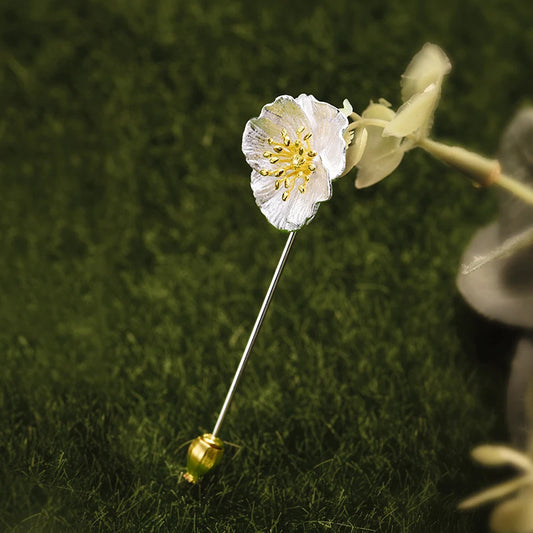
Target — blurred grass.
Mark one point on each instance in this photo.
(134, 261)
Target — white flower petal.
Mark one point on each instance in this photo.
(284, 112)
(415, 114)
(428, 66)
(515, 515)
(318, 190)
(327, 124)
(299, 208)
(255, 140)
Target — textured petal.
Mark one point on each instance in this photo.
(299, 208)
(318, 190)
(428, 66)
(255, 141)
(382, 154)
(284, 112)
(416, 113)
(515, 515)
(328, 125)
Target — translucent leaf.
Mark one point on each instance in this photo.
(428, 66)
(416, 113)
(381, 167)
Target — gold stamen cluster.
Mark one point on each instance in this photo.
(295, 159)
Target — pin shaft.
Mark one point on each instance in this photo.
(255, 331)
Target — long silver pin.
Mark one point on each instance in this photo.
(206, 450)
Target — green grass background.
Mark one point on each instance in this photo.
(134, 261)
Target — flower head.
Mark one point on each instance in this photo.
(515, 515)
(296, 149)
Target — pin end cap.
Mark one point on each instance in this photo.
(205, 452)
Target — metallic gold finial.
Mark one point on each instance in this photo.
(204, 454)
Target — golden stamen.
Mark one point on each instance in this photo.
(296, 161)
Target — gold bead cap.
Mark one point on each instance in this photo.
(205, 452)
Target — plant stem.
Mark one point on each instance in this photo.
(515, 187)
(483, 171)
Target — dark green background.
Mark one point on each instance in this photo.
(134, 260)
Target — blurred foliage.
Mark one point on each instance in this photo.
(134, 261)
